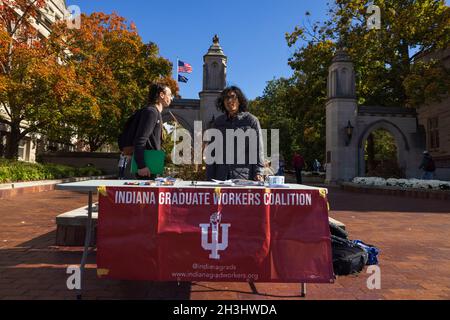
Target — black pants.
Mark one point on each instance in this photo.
(298, 174)
(122, 173)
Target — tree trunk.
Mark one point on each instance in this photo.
(95, 143)
(2, 146)
(401, 73)
(370, 153)
(12, 143)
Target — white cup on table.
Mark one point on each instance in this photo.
(276, 181)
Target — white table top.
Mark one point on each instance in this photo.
(92, 185)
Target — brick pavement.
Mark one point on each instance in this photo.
(412, 234)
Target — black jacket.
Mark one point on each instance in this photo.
(427, 164)
(148, 134)
(248, 171)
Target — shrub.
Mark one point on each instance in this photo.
(17, 171)
(404, 183)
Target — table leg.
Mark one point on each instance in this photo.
(253, 287)
(303, 290)
(87, 243)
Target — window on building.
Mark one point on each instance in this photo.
(22, 145)
(433, 133)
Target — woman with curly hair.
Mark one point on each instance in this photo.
(248, 159)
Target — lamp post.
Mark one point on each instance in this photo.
(349, 132)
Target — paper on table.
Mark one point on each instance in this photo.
(248, 183)
(226, 183)
(240, 182)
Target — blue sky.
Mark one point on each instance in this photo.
(251, 34)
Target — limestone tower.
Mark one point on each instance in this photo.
(214, 81)
(341, 112)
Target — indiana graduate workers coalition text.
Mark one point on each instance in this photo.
(205, 198)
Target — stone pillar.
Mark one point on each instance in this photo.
(214, 81)
(341, 109)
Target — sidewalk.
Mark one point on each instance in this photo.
(412, 235)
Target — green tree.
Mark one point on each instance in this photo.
(387, 67)
(384, 59)
(296, 105)
(381, 156)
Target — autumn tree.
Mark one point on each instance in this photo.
(115, 67)
(33, 84)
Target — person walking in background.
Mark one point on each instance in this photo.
(316, 166)
(298, 163)
(428, 166)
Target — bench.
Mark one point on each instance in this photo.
(71, 227)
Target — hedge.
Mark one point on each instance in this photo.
(17, 171)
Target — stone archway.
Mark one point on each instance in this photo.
(401, 142)
(348, 126)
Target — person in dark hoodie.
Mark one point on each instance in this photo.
(149, 127)
(233, 103)
(427, 166)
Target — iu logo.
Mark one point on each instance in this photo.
(215, 246)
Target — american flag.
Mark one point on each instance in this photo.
(184, 67)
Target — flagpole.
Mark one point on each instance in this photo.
(177, 70)
(175, 130)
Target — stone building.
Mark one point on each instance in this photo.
(435, 119)
(349, 125)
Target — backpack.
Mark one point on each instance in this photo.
(430, 167)
(348, 258)
(371, 250)
(126, 138)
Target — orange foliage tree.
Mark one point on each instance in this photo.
(81, 83)
(34, 86)
(115, 67)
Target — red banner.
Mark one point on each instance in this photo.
(195, 234)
